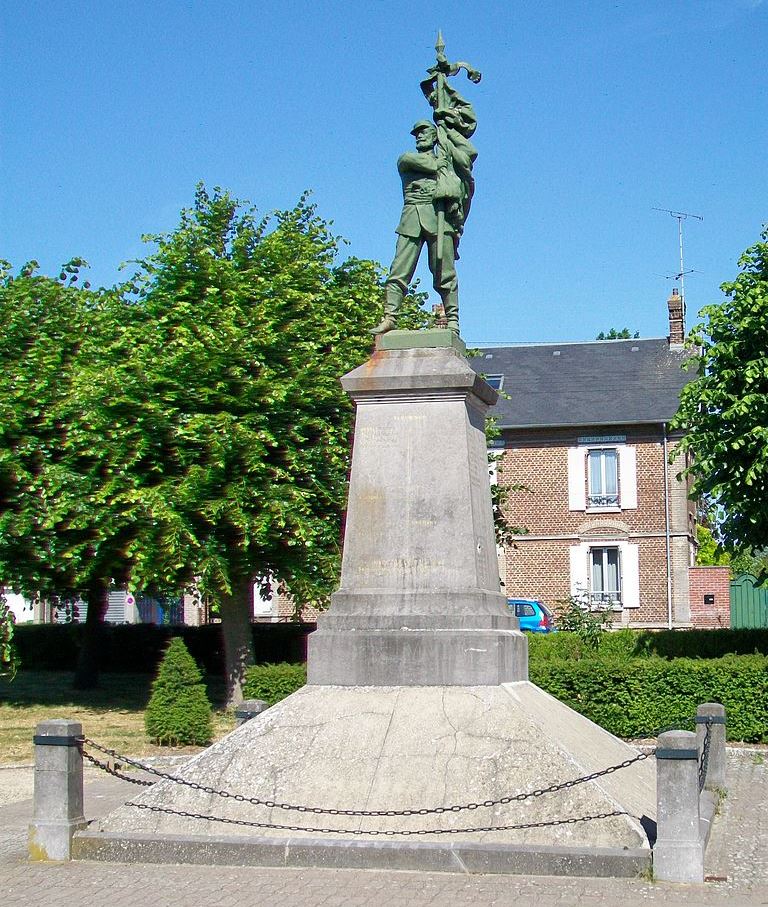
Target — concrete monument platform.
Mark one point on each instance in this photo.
(394, 748)
(418, 695)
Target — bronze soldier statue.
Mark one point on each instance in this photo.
(437, 193)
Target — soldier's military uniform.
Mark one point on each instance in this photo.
(417, 228)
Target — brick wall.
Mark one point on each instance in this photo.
(540, 462)
(710, 581)
(539, 565)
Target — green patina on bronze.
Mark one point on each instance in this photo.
(437, 192)
(427, 339)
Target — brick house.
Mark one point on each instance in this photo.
(585, 428)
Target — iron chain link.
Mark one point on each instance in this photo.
(370, 813)
(704, 760)
(110, 770)
(369, 832)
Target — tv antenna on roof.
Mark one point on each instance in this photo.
(681, 216)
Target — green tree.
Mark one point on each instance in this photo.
(187, 426)
(178, 711)
(73, 505)
(226, 388)
(724, 411)
(42, 328)
(709, 553)
(614, 334)
(8, 654)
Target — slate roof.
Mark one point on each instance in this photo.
(608, 382)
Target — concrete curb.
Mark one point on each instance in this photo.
(321, 852)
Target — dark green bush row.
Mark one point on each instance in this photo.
(273, 682)
(138, 648)
(645, 643)
(635, 697)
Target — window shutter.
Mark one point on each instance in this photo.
(630, 575)
(628, 478)
(577, 483)
(579, 574)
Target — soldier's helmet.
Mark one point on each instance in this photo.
(421, 125)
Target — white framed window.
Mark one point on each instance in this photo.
(604, 577)
(606, 573)
(602, 477)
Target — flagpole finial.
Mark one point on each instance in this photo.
(440, 44)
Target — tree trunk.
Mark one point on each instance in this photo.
(236, 612)
(87, 670)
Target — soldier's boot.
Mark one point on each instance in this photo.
(451, 307)
(392, 300)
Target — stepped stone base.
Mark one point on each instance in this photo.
(401, 748)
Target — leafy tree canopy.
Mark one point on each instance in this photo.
(226, 390)
(724, 411)
(44, 544)
(614, 334)
(188, 424)
(711, 553)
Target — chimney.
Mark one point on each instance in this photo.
(676, 319)
(438, 313)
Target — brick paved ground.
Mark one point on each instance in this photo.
(738, 850)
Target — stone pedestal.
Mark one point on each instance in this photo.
(58, 799)
(678, 855)
(419, 602)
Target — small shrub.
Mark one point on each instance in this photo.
(572, 615)
(178, 712)
(273, 682)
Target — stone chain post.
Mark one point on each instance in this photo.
(714, 714)
(58, 797)
(678, 855)
(250, 708)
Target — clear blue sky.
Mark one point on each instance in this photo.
(590, 114)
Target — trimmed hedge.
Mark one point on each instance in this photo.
(139, 648)
(646, 643)
(631, 697)
(635, 697)
(273, 682)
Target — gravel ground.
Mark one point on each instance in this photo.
(15, 783)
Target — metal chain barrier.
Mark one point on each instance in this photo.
(320, 810)
(375, 831)
(110, 770)
(704, 760)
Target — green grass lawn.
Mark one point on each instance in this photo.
(112, 715)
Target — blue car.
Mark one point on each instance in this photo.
(534, 616)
